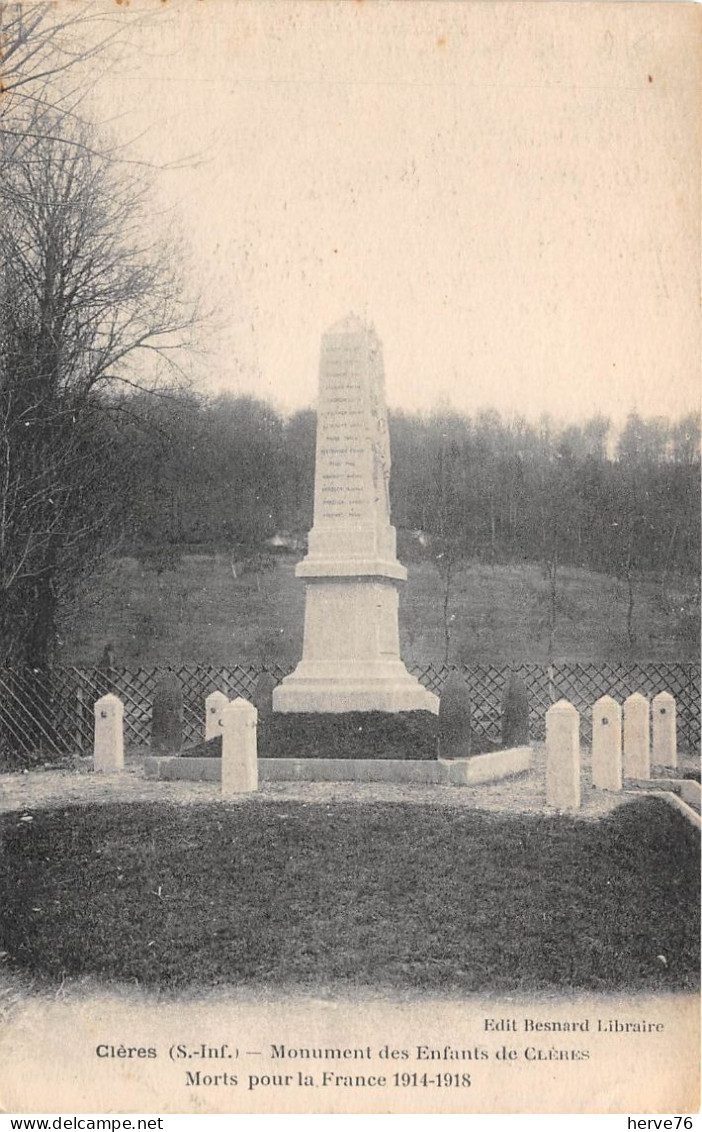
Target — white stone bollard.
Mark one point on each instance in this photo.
(214, 706)
(239, 754)
(664, 750)
(563, 756)
(108, 750)
(637, 736)
(607, 744)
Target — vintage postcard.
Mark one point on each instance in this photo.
(349, 558)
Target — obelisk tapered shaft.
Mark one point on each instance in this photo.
(351, 651)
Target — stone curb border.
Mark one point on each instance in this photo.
(456, 772)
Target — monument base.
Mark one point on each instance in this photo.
(369, 687)
(351, 652)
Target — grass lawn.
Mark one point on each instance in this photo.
(200, 613)
(373, 895)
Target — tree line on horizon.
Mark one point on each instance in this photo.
(228, 473)
(231, 471)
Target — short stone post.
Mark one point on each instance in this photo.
(214, 706)
(607, 744)
(108, 749)
(563, 756)
(239, 753)
(637, 736)
(664, 750)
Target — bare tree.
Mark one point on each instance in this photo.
(448, 492)
(44, 52)
(88, 302)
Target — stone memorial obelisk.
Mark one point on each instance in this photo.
(351, 650)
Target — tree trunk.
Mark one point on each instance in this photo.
(630, 606)
(42, 635)
(553, 607)
(447, 607)
(666, 568)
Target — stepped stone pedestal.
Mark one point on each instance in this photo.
(351, 650)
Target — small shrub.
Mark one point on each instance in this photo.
(515, 713)
(455, 732)
(167, 718)
(263, 695)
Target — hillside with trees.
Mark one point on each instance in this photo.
(523, 540)
(230, 472)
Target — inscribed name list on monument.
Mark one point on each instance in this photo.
(352, 532)
(351, 650)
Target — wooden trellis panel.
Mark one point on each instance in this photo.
(51, 714)
(486, 683)
(583, 684)
(137, 689)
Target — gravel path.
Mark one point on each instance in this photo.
(525, 793)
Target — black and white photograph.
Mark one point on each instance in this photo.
(349, 557)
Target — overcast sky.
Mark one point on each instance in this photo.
(508, 191)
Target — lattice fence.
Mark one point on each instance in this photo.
(51, 714)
